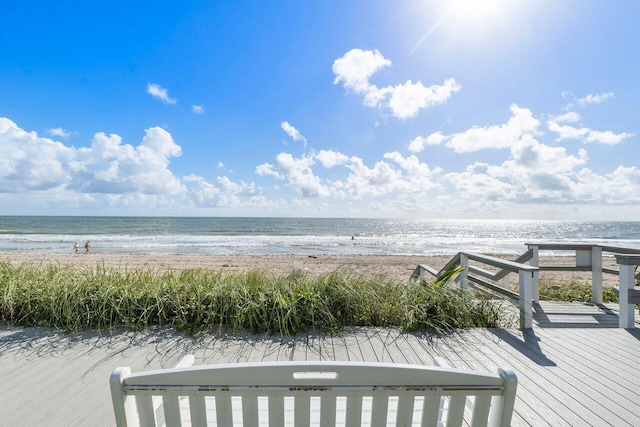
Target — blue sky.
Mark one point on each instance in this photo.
(419, 109)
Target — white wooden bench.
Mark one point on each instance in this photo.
(312, 394)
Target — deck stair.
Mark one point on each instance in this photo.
(475, 273)
(588, 257)
(469, 277)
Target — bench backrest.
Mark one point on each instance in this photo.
(297, 393)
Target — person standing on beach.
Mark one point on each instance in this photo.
(87, 246)
(76, 247)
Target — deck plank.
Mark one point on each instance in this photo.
(523, 411)
(574, 368)
(569, 397)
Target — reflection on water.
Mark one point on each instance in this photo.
(300, 235)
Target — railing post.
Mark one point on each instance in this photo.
(626, 282)
(524, 301)
(505, 282)
(535, 262)
(464, 276)
(596, 274)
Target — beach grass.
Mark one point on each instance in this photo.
(573, 291)
(199, 300)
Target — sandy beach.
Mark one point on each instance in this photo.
(398, 267)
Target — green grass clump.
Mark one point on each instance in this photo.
(195, 300)
(573, 291)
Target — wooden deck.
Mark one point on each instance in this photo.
(575, 368)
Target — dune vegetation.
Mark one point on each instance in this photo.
(200, 300)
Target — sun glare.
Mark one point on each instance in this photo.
(479, 12)
(470, 19)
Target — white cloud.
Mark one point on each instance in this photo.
(419, 143)
(393, 175)
(506, 135)
(535, 173)
(267, 169)
(58, 132)
(297, 172)
(112, 167)
(363, 181)
(624, 185)
(532, 156)
(569, 117)
(198, 109)
(595, 99)
(607, 137)
(566, 131)
(33, 163)
(586, 134)
(398, 175)
(293, 132)
(29, 162)
(160, 93)
(356, 67)
(222, 193)
(330, 158)
(478, 182)
(407, 100)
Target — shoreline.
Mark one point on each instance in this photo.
(397, 267)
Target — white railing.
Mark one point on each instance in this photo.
(588, 257)
(527, 275)
(628, 293)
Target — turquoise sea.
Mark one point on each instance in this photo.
(299, 235)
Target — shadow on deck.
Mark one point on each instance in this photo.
(548, 314)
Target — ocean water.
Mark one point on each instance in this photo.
(299, 235)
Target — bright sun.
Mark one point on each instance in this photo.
(481, 21)
(479, 13)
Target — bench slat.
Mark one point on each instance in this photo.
(301, 411)
(144, 405)
(224, 410)
(354, 410)
(404, 416)
(198, 410)
(431, 410)
(455, 412)
(250, 410)
(171, 406)
(379, 411)
(481, 406)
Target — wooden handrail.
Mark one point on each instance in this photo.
(452, 262)
(619, 250)
(545, 246)
(560, 246)
(500, 263)
(504, 271)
